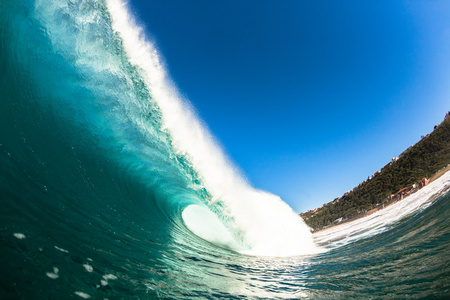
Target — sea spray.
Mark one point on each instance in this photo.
(261, 221)
(384, 219)
(84, 167)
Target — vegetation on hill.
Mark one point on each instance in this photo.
(424, 159)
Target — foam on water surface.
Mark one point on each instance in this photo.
(88, 268)
(54, 274)
(256, 220)
(82, 295)
(19, 236)
(381, 221)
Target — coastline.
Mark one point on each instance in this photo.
(383, 206)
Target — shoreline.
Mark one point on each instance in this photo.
(383, 206)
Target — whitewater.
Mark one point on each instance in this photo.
(263, 223)
(112, 187)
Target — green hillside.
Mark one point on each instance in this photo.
(424, 159)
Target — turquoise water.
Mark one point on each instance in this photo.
(111, 188)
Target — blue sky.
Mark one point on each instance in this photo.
(308, 98)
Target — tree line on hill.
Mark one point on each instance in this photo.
(424, 159)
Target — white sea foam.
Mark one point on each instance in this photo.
(88, 268)
(82, 295)
(54, 274)
(61, 249)
(106, 277)
(109, 277)
(19, 236)
(381, 220)
(266, 224)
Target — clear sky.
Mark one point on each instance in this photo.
(308, 98)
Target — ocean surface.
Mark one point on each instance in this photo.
(112, 188)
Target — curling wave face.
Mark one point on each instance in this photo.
(248, 214)
(110, 186)
(115, 89)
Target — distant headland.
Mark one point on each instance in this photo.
(413, 169)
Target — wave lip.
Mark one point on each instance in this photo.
(258, 221)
